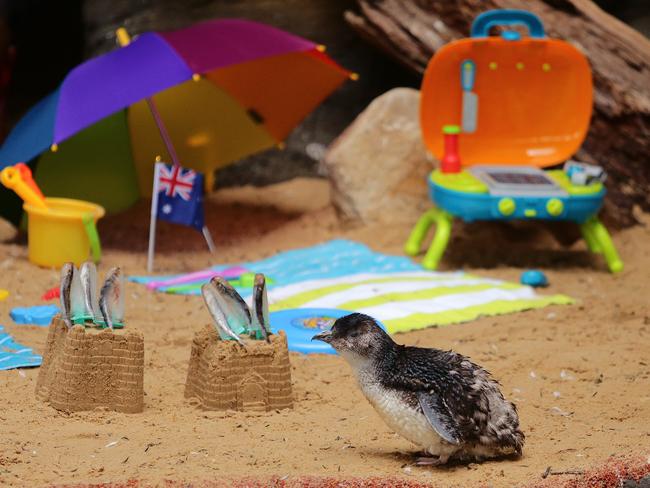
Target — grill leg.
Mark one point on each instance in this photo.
(442, 221)
(603, 243)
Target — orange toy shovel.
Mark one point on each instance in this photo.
(19, 179)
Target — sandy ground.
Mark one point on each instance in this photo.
(580, 375)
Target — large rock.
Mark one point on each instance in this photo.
(378, 166)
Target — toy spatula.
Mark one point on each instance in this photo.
(470, 99)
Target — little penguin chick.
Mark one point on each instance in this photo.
(439, 400)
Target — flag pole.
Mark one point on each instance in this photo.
(124, 39)
(208, 239)
(172, 152)
(154, 215)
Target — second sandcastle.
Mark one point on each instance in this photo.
(239, 364)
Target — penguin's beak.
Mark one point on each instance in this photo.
(325, 336)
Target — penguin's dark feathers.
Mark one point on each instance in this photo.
(457, 396)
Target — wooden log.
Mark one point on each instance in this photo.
(411, 31)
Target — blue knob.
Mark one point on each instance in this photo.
(534, 278)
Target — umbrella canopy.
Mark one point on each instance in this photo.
(224, 89)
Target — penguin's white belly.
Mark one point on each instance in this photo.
(407, 421)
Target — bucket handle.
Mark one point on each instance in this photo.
(484, 22)
(93, 236)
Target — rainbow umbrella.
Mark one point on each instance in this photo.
(220, 90)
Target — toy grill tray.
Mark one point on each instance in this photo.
(517, 181)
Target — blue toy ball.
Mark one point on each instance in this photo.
(534, 278)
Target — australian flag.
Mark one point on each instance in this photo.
(180, 195)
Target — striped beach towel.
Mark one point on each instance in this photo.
(348, 275)
(413, 300)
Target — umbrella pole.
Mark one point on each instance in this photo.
(163, 131)
(172, 153)
(124, 39)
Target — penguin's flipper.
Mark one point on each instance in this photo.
(439, 417)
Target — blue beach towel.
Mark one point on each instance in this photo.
(35, 315)
(331, 259)
(15, 355)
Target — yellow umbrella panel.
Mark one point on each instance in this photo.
(208, 128)
(232, 112)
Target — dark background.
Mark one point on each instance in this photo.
(41, 40)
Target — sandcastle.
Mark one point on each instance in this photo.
(84, 368)
(225, 376)
(89, 360)
(230, 372)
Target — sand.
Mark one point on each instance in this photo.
(580, 374)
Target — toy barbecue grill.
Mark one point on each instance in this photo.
(496, 111)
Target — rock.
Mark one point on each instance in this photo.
(642, 483)
(378, 166)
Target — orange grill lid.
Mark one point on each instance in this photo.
(534, 97)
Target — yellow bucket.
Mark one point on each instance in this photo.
(63, 232)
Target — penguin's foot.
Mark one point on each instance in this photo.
(431, 460)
